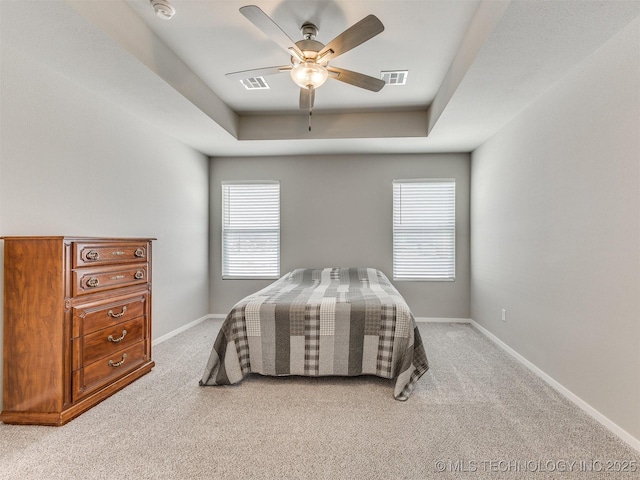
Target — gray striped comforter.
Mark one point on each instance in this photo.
(331, 321)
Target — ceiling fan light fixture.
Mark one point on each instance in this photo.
(309, 74)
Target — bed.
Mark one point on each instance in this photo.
(320, 322)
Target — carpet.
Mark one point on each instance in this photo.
(477, 413)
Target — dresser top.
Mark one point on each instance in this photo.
(79, 239)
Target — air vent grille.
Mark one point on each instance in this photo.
(395, 77)
(255, 83)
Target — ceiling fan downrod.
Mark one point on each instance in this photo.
(309, 31)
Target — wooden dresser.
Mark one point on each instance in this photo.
(77, 324)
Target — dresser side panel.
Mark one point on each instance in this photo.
(35, 343)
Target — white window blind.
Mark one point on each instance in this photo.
(250, 230)
(424, 234)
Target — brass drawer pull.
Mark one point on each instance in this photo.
(119, 339)
(139, 275)
(139, 252)
(114, 364)
(93, 282)
(93, 255)
(117, 315)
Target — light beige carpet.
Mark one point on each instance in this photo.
(476, 414)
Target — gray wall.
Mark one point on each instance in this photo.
(73, 164)
(555, 222)
(337, 211)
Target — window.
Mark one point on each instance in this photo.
(250, 230)
(424, 229)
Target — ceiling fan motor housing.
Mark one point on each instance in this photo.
(310, 49)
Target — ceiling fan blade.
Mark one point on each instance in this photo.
(257, 72)
(261, 20)
(353, 36)
(356, 79)
(307, 97)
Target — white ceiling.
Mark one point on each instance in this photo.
(473, 65)
(213, 38)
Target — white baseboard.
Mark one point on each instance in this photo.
(584, 406)
(181, 329)
(442, 320)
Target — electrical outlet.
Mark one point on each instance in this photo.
(504, 315)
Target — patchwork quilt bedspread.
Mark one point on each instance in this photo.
(316, 322)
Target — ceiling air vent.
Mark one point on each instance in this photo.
(254, 83)
(396, 77)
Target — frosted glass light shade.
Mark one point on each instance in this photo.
(309, 74)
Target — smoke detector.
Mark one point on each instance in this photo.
(163, 9)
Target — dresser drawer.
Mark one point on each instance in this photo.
(85, 254)
(90, 280)
(106, 342)
(90, 317)
(97, 374)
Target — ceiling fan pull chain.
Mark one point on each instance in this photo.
(310, 105)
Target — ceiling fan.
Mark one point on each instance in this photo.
(309, 66)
